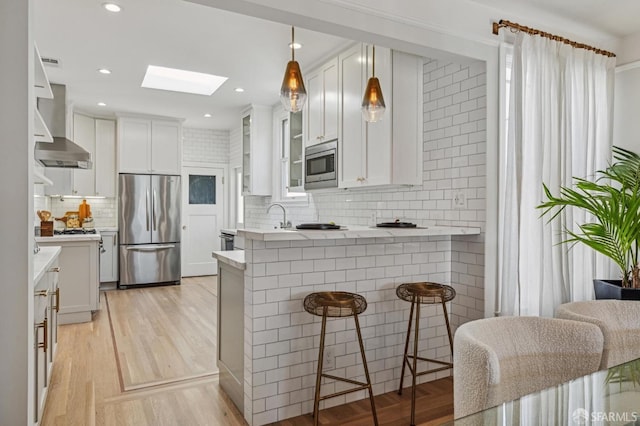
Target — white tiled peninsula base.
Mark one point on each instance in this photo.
(282, 340)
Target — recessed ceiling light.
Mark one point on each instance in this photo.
(101, 104)
(295, 45)
(112, 7)
(104, 71)
(207, 115)
(176, 80)
(239, 89)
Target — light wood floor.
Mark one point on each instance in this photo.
(86, 390)
(86, 387)
(164, 334)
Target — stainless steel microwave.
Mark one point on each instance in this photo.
(321, 162)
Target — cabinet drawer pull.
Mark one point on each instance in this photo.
(43, 325)
(57, 294)
(42, 293)
(56, 269)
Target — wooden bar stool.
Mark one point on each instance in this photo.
(418, 294)
(338, 304)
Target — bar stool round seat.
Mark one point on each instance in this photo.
(338, 304)
(429, 293)
(423, 293)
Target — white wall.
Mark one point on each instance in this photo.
(16, 191)
(626, 126)
(205, 145)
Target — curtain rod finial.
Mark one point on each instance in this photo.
(496, 28)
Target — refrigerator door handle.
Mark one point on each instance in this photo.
(153, 209)
(146, 204)
(152, 247)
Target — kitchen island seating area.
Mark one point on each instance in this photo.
(279, 268)
(502, 359)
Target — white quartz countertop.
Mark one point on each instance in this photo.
(353, 232)
(231, 231)
(69, 238)
(42, 261)
(234, 258)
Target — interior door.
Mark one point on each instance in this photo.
(204, 195)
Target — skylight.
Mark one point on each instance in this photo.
(176, 80)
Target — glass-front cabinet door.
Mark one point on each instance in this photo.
(246, 154)
(295, 153)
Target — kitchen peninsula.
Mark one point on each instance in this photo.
(281, 267)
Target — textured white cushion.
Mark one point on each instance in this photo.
(619, 321)
(501, 359)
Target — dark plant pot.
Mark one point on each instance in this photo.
(612, 289)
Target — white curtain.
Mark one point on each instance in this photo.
(560, 117)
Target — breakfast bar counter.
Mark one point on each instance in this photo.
(281, 340)
(353, 232)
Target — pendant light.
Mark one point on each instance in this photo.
(373, 102)
(292, 92)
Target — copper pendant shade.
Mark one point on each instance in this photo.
(373, 105)
(292, 93)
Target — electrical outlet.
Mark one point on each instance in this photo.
(329, 360)
(373, 219)
(459, 200)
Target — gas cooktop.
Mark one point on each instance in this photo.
(74, 231)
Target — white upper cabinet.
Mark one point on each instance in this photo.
(98, 136)
(389, 151)
(134, 145)
(321, 117)
(42, 89)
(166, 147)
(257, 159)
(105, 159)
(84, 134)
(149, 146)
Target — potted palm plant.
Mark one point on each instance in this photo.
(612, 203)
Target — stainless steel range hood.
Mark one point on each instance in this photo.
(62, 152)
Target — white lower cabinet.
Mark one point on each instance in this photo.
(45, 334)
(40, 346)
(109, 257)
(389, 151)
(79, 279)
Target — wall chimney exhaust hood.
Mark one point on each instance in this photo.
(62, 152)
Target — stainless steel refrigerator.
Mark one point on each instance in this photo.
(149, 229)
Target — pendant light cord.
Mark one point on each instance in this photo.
(292, 48)
(373, 64)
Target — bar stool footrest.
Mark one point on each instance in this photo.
(342, 379)
(447, 365)
(361, 386)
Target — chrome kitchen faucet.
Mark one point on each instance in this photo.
(285, 224)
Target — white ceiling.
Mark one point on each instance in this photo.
(251, 52)
(616, 17)
(85, 37)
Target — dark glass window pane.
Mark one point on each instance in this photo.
(202, 189)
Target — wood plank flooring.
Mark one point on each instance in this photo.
(434, 406)
(164, 334)
(86, 387)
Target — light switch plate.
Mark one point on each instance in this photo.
(459, 200)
